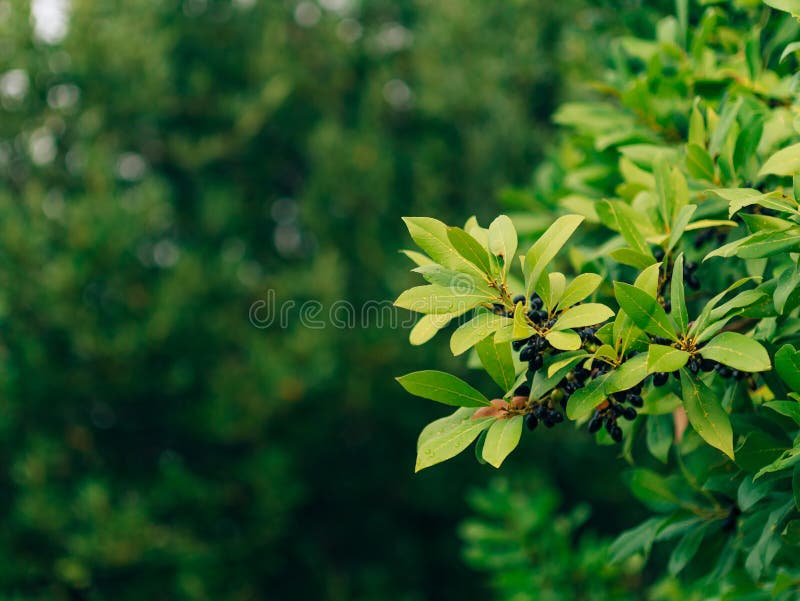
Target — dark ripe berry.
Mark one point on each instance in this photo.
(538, 316)
(531, 422)
(694, 365)
(520, 298)
(636, 400)
(676, 374)
(518, 344)
(595, 423)
(610, 423)
(637, 389)
(693, 282)
(572, 386)
(660, 378)
(659, 254)
(522, 390)
(498, 308)
(660, 340)
(668, 306)
(556, 417)
(707, 364)
(551, 323)
(690, 267)
(536, 301)
(536, 362)
(540, 343)
(616, 409)
(724, 371)
(580, 374)
(527, 353)
(540, 411)
(616, 434)
(629, 413)
(548, 422)
(739, 374)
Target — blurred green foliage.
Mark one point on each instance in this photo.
(162, 166)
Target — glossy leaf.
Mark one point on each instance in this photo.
(738, 351)
(706, 414)
(502, 438)
(447, 437)
(443, 388)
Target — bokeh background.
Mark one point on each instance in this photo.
(166, 163)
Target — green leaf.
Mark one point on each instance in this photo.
(769, 243)
(697, 125)
(789, 458)
(418, 258)
(503, 240)
(449, 278)
(476, 329)
(431, 236)
(565, 340)
(652, 489)
(521, 329)
(628, 256)
(440, 300)
(788, 408)
(723, 127)
(547, 246)
(793, 47)
(447, 437)
(498, 362)
(739, 198)
(679, 225)
(469, 248)
(787, 364)
(621, 217)
(665, 358)
(583, 315)
(584, 400)
(427, 327)
(644, 310)
(443, 388)
(581, 287)
(686, 549)
(784, 162)
(636, 540)
(546, 379)
(706, 414)
(647, 280)
(502, 438)
(699, 163)
(678, 296)
(627, 375)
(737, 351)
(552, 293)
(789, 6)
(757, 449)
(659, 436)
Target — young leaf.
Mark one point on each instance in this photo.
(431, 236)
(665, 358)
(440, 300)
(644, 310)
(581, 287)
(476, 329)
(564, 340)
(677, 296)
(784, 162)
(443, 388)
(502, 438)
(427, 327)
(622, 218)
(699, 163)
(521, 329)
(679, 225)
(546, 248)
(447, 437)
(503, 240)
(498, 362)
(469, 248)
(583, 315)
(706, 414)
(737, 351)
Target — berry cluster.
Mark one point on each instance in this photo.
(620, 404)
(695, 365)
(532, 350)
